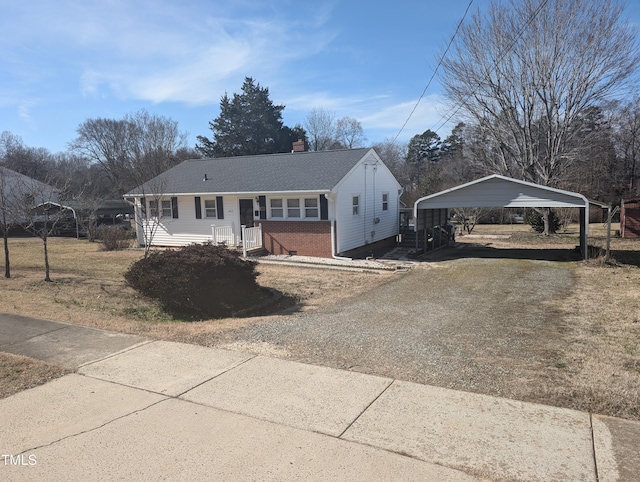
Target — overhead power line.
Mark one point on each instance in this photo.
(501, 55)
(424, 91)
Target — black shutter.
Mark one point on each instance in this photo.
(143, 207)
(198, 207)
(219, 207)
(324, 207)
(174, 207)
(262, 203)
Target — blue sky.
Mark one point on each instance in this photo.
(67, 61)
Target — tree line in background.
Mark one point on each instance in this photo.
(600, 160)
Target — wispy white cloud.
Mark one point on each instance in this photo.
(161, 52)
(24, 111)
(89, 82)
(430, 113)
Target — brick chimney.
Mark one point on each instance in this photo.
(299, 146)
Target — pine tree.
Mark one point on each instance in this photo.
(249, 123)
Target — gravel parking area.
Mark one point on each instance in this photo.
(483, 325)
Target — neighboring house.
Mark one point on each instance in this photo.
(20, 193)
(322, 204)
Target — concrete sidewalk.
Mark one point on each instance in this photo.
(142, 409)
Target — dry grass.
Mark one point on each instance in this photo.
(18, 373)
(594, 365)
(88, 289)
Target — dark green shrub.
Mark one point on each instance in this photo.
(200, 280)
(114, 238)
(534, 218)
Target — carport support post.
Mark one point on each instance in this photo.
(584, 222)
(608, 251)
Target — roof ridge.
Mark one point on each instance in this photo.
(275, 154)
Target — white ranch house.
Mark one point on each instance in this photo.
(327, 203)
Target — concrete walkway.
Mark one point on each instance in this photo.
(145, 410)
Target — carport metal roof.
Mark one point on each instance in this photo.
(499, 191)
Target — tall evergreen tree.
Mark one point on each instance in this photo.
(249, 123)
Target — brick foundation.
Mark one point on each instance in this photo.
(304, 238)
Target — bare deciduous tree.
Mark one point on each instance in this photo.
(36, 163)
(349, 132)
(149, 212)
(6, 217)
(524, 72)
(469, 217)
(627, 139)
(35, 207)
(321, 129)
(131, 150)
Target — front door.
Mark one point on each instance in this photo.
(246, 212)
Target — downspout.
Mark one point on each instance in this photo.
(400, 191)
(333, 234)
(364, 210)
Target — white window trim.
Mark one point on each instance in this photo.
(302, 208)
(293, 208)
(316, 207)
(215, 209)
(165, 209)
(357, 206)
(157, 209)
(281, 208)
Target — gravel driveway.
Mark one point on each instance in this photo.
(483, 325)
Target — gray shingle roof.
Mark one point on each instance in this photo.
(16, 185)
(296, 171)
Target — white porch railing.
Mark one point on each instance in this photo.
(251, 238)
(223, 235)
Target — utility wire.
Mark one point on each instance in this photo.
(424, 91)
(543, 3)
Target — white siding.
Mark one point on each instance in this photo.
(186, 229)
(369, 180)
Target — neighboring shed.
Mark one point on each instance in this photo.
(630, 218)
(324, 203)
(19, 193)
(498, 191)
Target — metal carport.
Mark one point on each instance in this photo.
(497, 191)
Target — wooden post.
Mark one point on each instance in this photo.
(610, 215)
(244, 241)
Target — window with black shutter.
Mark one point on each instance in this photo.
(174, 207)
(219, 207)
